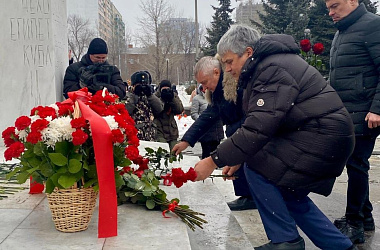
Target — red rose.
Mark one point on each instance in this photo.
(318, 48)
(22, 122)
(79, 137)
(9, 136)
(305, 45)
(34, 137)
(78, 123)
(132, 152)
(39, 125)
(14, 151)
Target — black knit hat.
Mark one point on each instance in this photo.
(97, 46)
(165, 83)
(142, 77)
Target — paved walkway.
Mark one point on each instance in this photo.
(26, 224)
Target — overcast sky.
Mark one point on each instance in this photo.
(130, 10)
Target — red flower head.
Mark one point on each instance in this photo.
(79, 137)
(22, 122)
(132, 152)
(117, 136)
(39, 125)
(34, 137)
(305, 45)
(78, 122)
(191, 175)
(318, 48)
(14, 151)
(9, 136)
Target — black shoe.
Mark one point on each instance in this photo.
(368, 223)
(299, 244)
(356, 234)
(242, 203)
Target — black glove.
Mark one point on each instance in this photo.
(167, 95)
(147, 90)
(86, 78)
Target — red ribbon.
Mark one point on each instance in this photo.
(102, 140)
(171, 208)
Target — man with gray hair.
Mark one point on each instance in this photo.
(296, 138)
(224, 104)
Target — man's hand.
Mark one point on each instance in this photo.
(373, 120)
(228, 170)
(179, 147)
(204, 168)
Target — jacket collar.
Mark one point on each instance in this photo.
(351, 18)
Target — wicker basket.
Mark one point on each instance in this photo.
(72, 208)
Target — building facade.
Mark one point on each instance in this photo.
(247, 11)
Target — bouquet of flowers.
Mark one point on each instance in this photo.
(310, 53)
(55, 146)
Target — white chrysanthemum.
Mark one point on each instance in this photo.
(58, 130)
(22, 134)
(111, 122)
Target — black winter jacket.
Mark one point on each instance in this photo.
(72, 76)
(297, 132)
(165, 121)
(230, 113)
(355, 66)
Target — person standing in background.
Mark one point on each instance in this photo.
(354, 74)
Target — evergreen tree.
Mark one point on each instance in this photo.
(370, 5)
(322, 30)
(298, 13)
(274, 17)
(220, 24)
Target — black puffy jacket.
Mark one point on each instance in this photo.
(355, 66)
(72, 75)
(297, 133)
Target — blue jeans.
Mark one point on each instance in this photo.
(281, 211)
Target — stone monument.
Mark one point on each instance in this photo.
(33, 56)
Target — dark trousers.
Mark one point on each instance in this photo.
(358, 204)
(281, 211)
(208, 147)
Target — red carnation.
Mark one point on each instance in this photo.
(117, 136)
(78, 123)
(22, 122)
(132, 152)
(14, 151)
(178, 177)
(64, 109)
(34, 137)
(9, 136)
(305, 45)
(191, 174)
(39, 125)
(79, 137)
(318, 48)
(44, 112)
